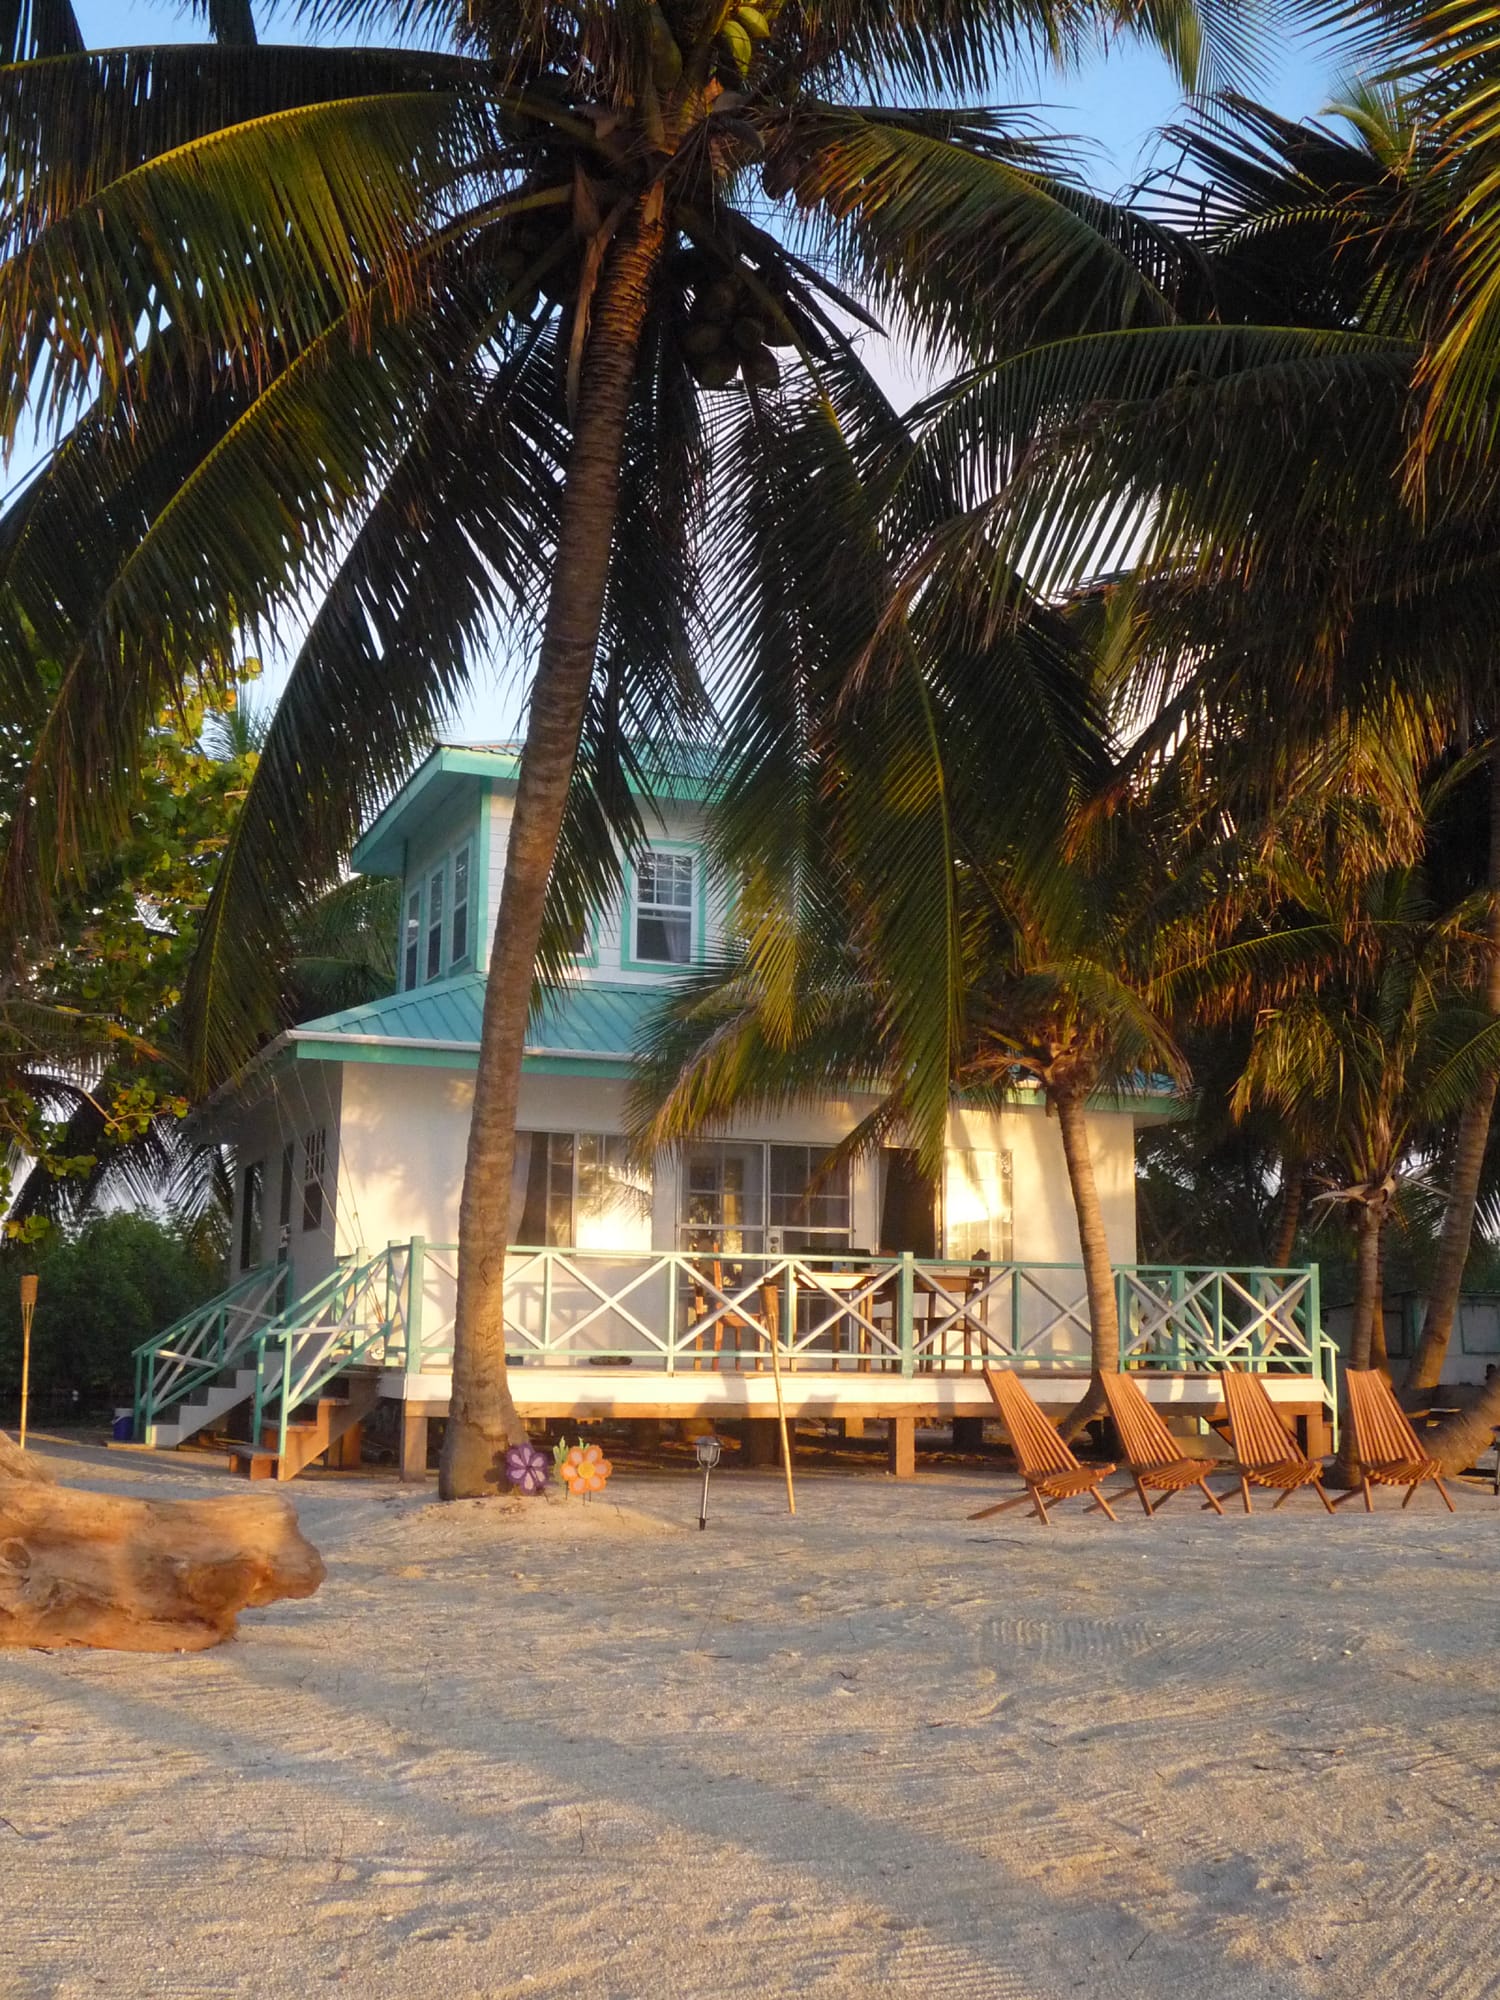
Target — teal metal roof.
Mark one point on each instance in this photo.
(438, 1025)
(684, 772)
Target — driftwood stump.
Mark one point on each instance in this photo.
(144, 1576)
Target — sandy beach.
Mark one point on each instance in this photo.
(878, 1750)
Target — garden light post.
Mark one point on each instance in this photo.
(709, 1450)
(28, 1307)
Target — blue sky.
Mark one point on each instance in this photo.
(1114, 105)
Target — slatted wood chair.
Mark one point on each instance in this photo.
(1389, 1450)
(1050, 1470)
(1265, 1452)
(1157, 1461)
(746, 1332)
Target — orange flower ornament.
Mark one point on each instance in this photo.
(585, 1469)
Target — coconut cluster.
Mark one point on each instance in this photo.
(730, 329)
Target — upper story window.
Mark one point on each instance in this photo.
(250, 1215)
(411, 943)
(664, 898)
(435, 883)
(459, 939)
(314, 1168)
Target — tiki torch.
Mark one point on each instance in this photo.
(28, 1307)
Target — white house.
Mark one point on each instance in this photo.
(635, 1291)
(351, 1132)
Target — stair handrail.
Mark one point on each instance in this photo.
(196, 1346)
(286, 1380)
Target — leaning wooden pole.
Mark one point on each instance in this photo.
(28, 1308)
(786, 1443)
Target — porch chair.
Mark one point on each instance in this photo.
(1156, 1458)
(1050, 1470)
(1390, 1452)
(738, 1323)
(1265, 1452)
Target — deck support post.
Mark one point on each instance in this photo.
(901, 1447)
(854, 1427)
(762, 1442)
(413, 1445)
(1317, 1437)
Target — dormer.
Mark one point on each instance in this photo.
(444, 837)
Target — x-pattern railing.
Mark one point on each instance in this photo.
(673, 1310)
(197, 1347)
(1216, 1316)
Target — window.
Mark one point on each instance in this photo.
(314, 1166)
(664, 908)
(977, 1205)
(809, 1199)
(723, 1198)
(411, 939)
(288, 1178)
(435, 922)
(250, 1217)
(459, 940)
(576, 1191)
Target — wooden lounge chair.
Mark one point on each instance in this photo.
(1389, 1450)
(1156, 1457)
(1050, 1470)
(1265, 1452)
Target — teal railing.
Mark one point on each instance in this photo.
(195, 1348)
(356, 1315)
(682, 1310)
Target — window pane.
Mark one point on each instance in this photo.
(435, 924)
(413, 938)
(722, 1198)
(460, 926)
(809, 1198)
(250, 1218)
(977, 1204)
(288, 1178)
(314, 1165)
(560, 1189)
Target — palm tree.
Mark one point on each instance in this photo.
(446, 340)
(1293, 582)
(1059, 987)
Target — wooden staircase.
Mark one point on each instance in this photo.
(338, 1418)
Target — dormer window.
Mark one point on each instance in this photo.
(664, 908)
(435, 923)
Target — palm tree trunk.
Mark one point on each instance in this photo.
(1468, 1155)
(482, 1416)
(1366, 1304)
(1098, 1271)
(1289, 1213)
(1458, 1442)
(1379, 1354)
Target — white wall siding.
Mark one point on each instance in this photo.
(404, 1132)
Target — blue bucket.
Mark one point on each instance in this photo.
(123, 1428)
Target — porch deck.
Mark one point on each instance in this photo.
(668, 1334)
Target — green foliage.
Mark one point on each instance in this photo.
(88, 1063)
(102, 1289)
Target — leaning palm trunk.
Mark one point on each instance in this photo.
(1458, 1442)
(483, 1418)
(1470, 1144)
(1098, 1271)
